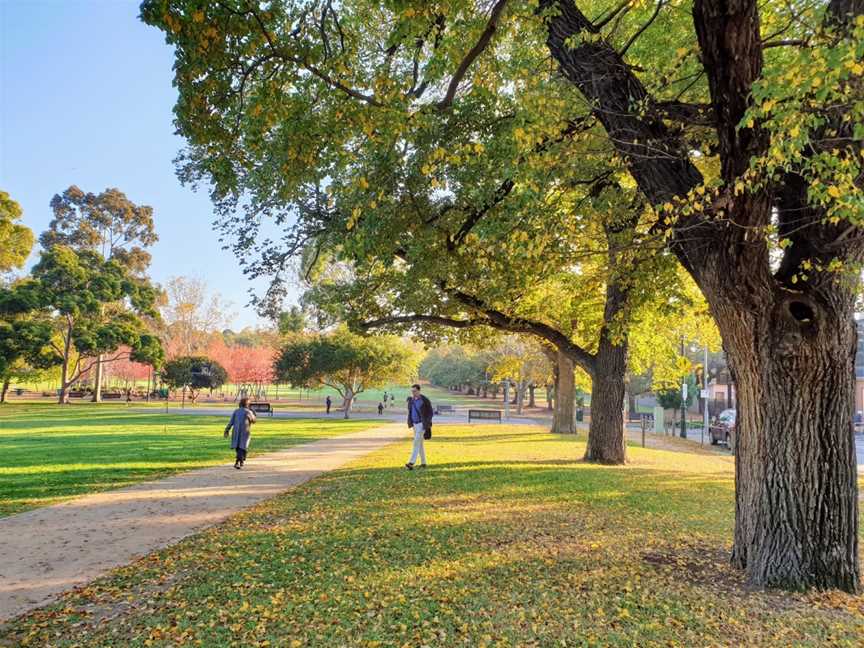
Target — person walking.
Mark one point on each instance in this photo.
(380, 408)
(328, 403)
(241, 423)
(420, 419)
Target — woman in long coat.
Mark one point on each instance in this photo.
(241, 421)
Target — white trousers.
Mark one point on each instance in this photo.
(418, 445)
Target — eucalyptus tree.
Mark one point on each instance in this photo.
(108, 223)
(72, 287)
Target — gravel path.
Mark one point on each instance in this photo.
(50, 550)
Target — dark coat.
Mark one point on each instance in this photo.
(426, 412)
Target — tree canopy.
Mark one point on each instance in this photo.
(72, 288)
(193, 373)
(412, 133)
(346, 362)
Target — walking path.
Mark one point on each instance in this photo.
(50, 550)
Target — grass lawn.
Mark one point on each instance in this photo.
(508, 539)
(50, 452)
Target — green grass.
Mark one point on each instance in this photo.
(508, 539)
(50, 453)
(314, 398)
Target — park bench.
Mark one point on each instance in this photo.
(76, 394)
(445, 409)
(493, 415)
(112, 396)
(261, 408)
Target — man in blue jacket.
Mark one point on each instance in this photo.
(419, 418)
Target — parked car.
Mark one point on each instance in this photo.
(722, 429)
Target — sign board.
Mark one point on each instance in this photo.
(704, 394)
(684, 391)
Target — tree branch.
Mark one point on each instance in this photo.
(472, 55)
(642, 29)
(423, 319)
(504, 322)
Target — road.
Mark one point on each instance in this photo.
(696, 435)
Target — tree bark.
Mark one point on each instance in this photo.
(520, 396)
(796, 517)
(4, 390)
(97, 380)
(531, 400)
(562, 419)
(606, 443)
(791, 346)
(348, 402)
(63, 397)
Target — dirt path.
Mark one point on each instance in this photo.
(50, 550)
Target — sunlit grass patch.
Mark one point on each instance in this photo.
(50, 453)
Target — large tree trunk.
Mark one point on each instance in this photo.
(531, 401)
(790, 341)
(796, 518)
(562, 419)
(4, 390)
(606, 432)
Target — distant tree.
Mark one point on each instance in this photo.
(294, 320)
(16, 240)
(521, 360)
(108, 223)
(74, 287)
(25, 337)
(128, 372)
(193, 373)
(348, 363)
(247, 366)
(454, 366)
(190, 315)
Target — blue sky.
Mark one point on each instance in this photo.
(86, 99)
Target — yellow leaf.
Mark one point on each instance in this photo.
(834, 191)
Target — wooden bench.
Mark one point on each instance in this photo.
(488, 415)
(445, 409)
(112, 396)
(261, 408)
(75, 394)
